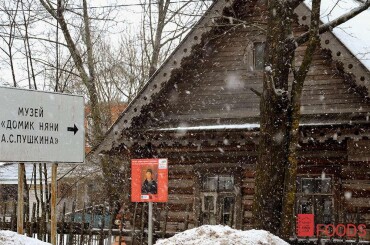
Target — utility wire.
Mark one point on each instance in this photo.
(102, 7)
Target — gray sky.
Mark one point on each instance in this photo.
(355, 34)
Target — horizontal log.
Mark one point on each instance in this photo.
(248, 207)
(357, 193)
(249, 173)
(249, 185)
(180, 198)
(247, 191)
(180, 183)
(356, 184)
(247, 215)
(179, 207)
(177, 216)
(358, 202)
(180, 190)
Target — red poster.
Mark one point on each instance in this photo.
(149, 180)
(305, 225)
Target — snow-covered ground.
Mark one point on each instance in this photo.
(12, 238)
(222, 235)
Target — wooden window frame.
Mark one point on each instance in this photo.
(316, 195)
(203, 170)
(255, 55)
(218, 182)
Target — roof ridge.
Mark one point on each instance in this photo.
(163, 74)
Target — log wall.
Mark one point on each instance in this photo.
(187, 164)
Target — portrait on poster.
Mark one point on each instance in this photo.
(149, 180)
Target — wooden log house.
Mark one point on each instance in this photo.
(199, 111)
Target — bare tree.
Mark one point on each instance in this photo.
(11, 11)
(87, 76)
(280, 112)
(163, 24)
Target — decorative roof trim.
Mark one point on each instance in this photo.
(163, 74)
(155, 84)
(339, 51)
(243, 137)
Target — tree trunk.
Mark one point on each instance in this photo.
(294, 118)
(87, 79)
(273, 143)
(91, 81)
(162, 12)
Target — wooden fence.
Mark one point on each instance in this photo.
(94, 225)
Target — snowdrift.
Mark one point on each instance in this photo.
(13, 238)
(222, 235)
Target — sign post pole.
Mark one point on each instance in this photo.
(149, 183)
(20, 207)
(53, 204)
(150, 224)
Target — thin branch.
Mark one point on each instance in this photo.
(334, 23)
(259, 94)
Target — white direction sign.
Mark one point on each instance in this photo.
(40, 126)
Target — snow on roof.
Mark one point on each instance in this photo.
(218, 234)
(355, 33)
(211, 127)
(12, 238)
(9, 172)
(248, 126)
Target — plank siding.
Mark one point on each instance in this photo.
(218, 85)
(328, 157)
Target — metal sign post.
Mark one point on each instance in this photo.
(20, 207)
(53, 221)
(150, 224)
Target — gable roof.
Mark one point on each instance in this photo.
(354, 33)
(9, 172)
(156, 83)
(354, 56)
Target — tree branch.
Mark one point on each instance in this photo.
(294, 3)
(256, 92)
(334, 23)
(70, 44)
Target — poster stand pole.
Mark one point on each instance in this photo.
(150, 224)
(20, 207)
(53, 226)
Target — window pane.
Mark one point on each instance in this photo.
(226, 219)
(305, 206)
(323, 185)
(226, 183)
(308, 185)
(259, 52)
(209, 203)
(323, 209)
(227, 209)
(228, 204)
(210, 183)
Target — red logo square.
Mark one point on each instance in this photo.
(305, 225)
